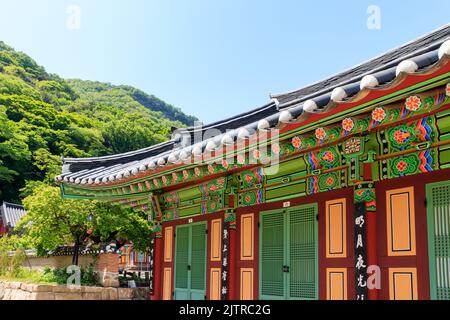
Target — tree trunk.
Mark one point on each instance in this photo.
(75, 252)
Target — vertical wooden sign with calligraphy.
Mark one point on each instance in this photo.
(151, 257)
(225, 259)
(360, 251)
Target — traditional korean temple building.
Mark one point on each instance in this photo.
(337, 190)
(10, 214)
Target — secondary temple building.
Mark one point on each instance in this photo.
(10, 214)
(338, 190)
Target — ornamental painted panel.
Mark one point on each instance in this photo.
(213, 195)
(352, 146)
(324, 159)
(403, 284)
(336, 283)
(250, 198)
(209, 206)
(365, 192)
(171, 199)
(171, 214)
(400, 215)
(336, 230)
(247, 236)
(419, 135)
(326, 182)
(251, 179)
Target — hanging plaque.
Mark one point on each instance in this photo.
(151, 263)
(225, 260)
(360, 251)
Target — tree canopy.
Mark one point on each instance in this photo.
(52, 221)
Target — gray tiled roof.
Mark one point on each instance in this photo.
(414, 57)
(11, 213)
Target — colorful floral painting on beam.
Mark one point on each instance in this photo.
(405, 137)
(366, 193)
(212, 195)
(416, 135)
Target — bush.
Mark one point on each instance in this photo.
(88, 277)
(17, 261)
(4, 262)
(11, 266)
(11, 269)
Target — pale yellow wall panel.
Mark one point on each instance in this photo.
(336, 228)
(168, 244)
(246, 288)
(403, 283)
(336, 283)
(214, 279)
(400, 215)
(216, 240)
(247, 236)
(167, 284)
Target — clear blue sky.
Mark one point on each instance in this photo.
(212, 58)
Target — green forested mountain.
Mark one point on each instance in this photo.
(44, 117)
(128, 97)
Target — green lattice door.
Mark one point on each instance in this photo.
(302, 258)
(190, 262)
(438, 207)
(288, 253)
(272, 282)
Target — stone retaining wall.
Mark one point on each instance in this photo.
(107, 265)
(24, 291)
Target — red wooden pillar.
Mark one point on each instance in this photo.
(367, 171)
(233, 294)
(157, 270)
(372, 258)
(232, 276)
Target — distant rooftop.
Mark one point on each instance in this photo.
(11, 213)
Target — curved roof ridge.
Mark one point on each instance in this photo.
(154, 147)
(158, 148)
(232, 118)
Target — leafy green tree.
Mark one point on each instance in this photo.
(52, 221)
(13, 153)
